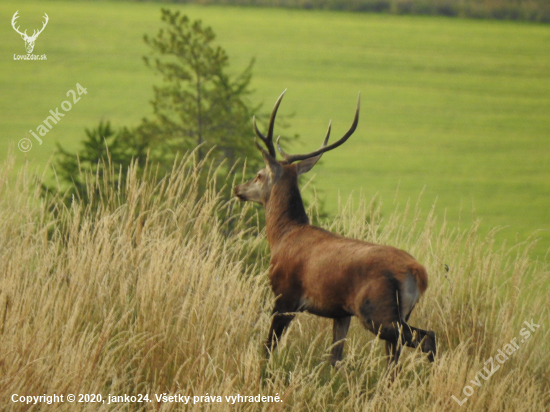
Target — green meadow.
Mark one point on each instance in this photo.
(454, 112)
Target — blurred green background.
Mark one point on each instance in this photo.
(455, 109)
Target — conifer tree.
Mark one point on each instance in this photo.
(199, 102)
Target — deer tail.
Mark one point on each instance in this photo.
(421, 276)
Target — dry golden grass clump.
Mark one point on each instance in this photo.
(148, 290)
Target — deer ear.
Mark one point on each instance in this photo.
(306, 165)
(273, 165)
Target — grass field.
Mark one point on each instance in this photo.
(149, 294)
(456, 109)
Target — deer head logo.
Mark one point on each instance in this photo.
(29, 40)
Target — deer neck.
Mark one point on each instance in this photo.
(284, 210)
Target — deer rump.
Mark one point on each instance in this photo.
(332, 276)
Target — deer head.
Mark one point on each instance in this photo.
(29, 40)
(259, 189)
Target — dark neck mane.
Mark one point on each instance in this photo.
(285, 208)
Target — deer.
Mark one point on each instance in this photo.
(29, 40)
(325, 274)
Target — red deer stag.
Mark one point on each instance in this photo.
(316, 271)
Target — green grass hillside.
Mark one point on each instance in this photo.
(456, 109)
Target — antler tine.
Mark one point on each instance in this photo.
(260, 148)
(280, 149)
(44, 24)
(13, 22)
(324, 148)
(328, 133)
(268, 140)
(15, 16)
(286, 156)
(262, 138)
(45, 16)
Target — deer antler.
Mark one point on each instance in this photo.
(15, 17)
(35, 34)
(268, 140)
(287, 156)
(288, 159)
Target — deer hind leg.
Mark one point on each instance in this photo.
(402, 334)
(382, 318)
(393, 351)
(424, 338)
(339, 332)
(414, 337)
(380, 312)
(279, 324)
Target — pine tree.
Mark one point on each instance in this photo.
(199, 103)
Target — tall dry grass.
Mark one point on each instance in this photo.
(150, 292)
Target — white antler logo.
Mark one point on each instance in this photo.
(29, 40)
